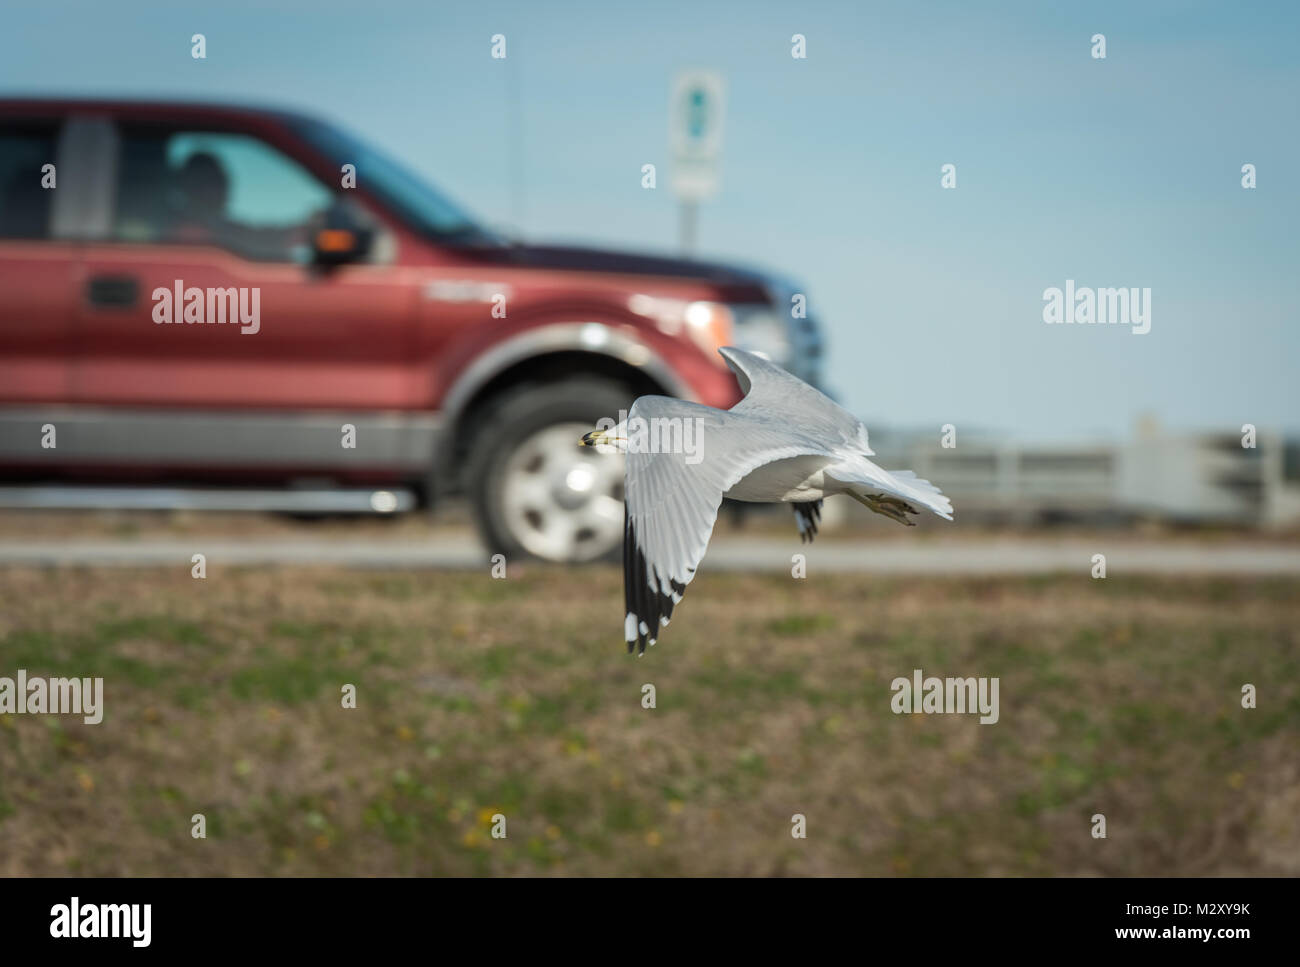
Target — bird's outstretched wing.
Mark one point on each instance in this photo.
(773, 394)
(673, 492)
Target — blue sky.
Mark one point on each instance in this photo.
(1119, 172)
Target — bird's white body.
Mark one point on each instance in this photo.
(794, 479)
(801, 479)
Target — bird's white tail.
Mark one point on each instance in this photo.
(923, 492)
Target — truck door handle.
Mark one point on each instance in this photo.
(115, 291)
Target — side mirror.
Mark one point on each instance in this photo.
(344, 236)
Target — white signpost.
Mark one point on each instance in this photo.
(695, 135)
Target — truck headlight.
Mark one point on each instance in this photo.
(758, 329)
(709, 324)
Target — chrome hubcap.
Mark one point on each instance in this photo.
(563, 502)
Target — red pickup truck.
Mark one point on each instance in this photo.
(211, 305)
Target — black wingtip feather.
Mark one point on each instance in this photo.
(641, 598)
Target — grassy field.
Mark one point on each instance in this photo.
(480, 696)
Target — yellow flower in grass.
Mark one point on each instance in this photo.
(85, 781)
(653, 838)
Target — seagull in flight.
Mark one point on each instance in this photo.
(784, 442)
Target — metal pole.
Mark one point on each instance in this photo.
(686, 227)
(515, 143)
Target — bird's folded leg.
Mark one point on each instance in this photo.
(891, 507)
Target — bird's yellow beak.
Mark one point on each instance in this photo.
(592, 439)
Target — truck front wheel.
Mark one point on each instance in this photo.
(536, 492)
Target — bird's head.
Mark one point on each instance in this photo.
(613, 440)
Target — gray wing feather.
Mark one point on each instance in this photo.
(773, 394)
(672, 504)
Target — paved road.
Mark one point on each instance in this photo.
(1007, 556)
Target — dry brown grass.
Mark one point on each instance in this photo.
(479, 696)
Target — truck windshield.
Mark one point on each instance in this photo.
(405, 191)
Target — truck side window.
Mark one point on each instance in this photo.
(25, 149)
(216, 188)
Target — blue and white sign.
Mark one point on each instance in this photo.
(695, 133)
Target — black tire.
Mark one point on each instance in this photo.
(508, 422)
